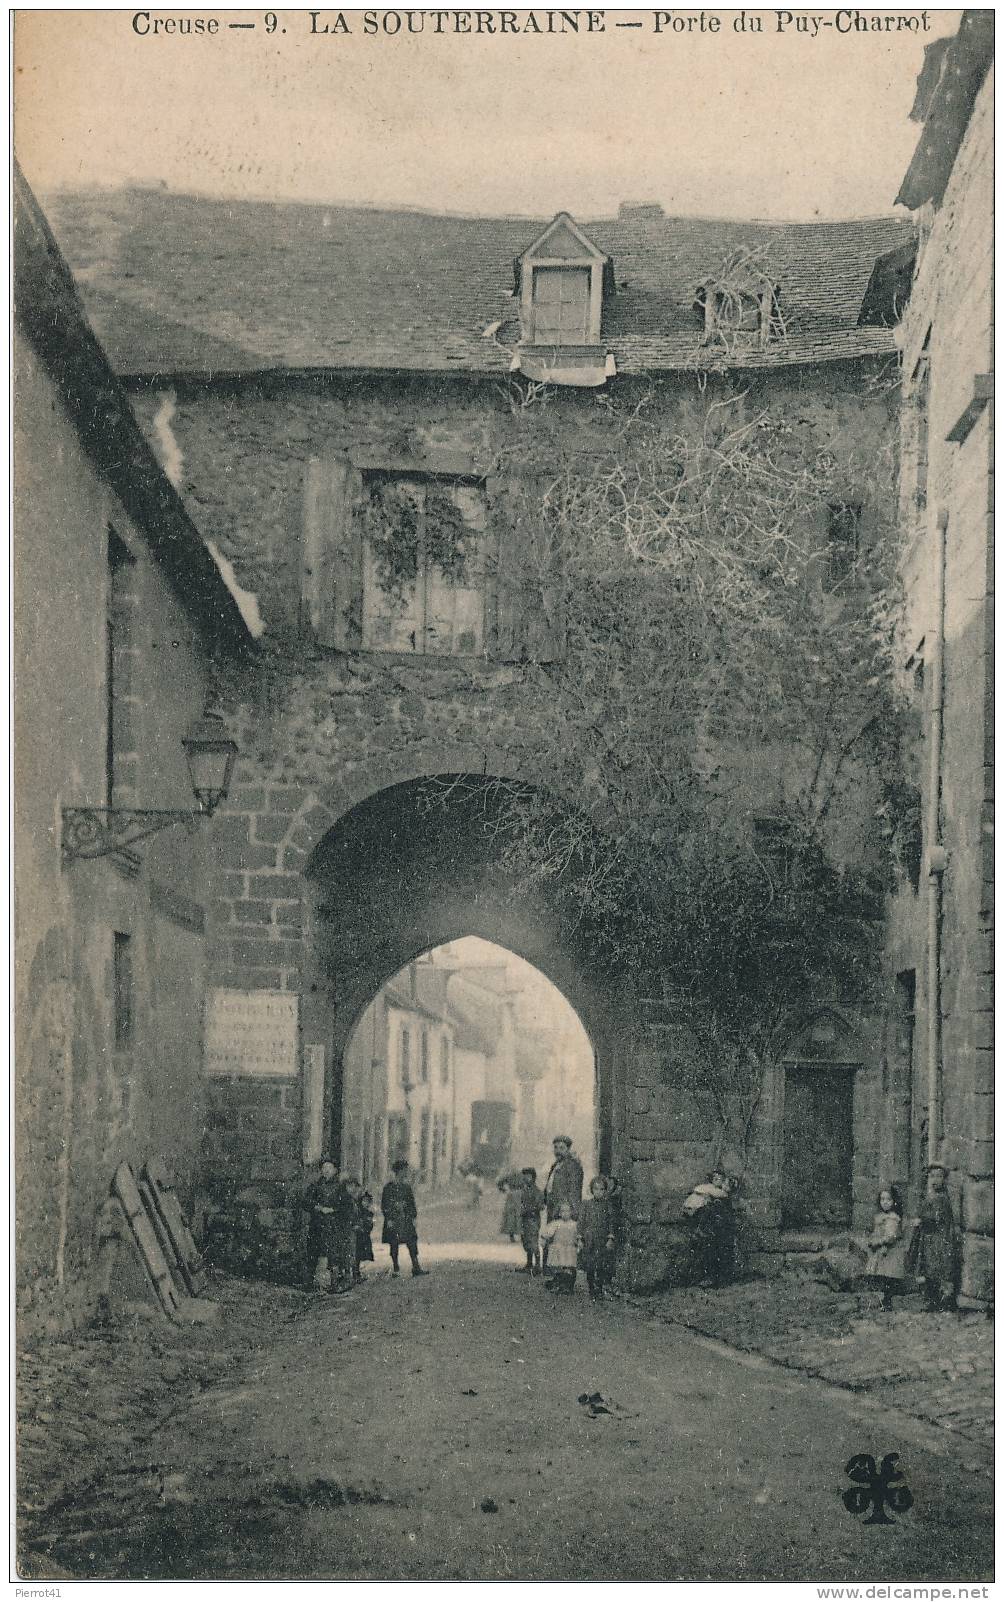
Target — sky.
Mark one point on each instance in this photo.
(734, 123)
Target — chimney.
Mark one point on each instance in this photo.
(640, 211)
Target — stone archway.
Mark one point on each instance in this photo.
(393, 879)
(324, 892)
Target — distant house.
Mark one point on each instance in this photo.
(400, 1082)
(120, 616)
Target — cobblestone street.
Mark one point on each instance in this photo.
(936, 1366)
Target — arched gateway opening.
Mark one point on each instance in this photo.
(409, 882)
(466, 1064)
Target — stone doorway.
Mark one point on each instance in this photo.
(818, 1164)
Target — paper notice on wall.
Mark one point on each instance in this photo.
(251, 1032)
(313, 1103)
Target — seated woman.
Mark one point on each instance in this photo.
(713, 1221)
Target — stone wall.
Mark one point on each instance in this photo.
(85, 1098)
(305, 900)
(949, 328)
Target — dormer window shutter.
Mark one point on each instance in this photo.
(332, 561)
(526, 615)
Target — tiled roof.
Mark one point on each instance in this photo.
(47, 306)
(179, 284)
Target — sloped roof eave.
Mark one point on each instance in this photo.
(803, 353)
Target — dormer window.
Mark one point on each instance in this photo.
(561, 305)
(560, 283)
(739, 305)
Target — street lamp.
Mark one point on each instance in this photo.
(101, 831)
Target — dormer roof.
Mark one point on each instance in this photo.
(563, 240)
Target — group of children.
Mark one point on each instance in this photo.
(340, 1230)
(586, 1237)
(887, 1258)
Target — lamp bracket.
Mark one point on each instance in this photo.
(104, 831)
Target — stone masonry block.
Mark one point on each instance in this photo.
(271, 830)
(275, 886)
(253, 912)
(284, 800)
(978, 1207)
(982, 1118)
(242, 857)
(248, 798)
(981, 1159)
(977, 1268)
(231, 828)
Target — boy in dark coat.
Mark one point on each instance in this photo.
(397, 1203)
(329, 1238)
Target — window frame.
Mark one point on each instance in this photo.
(569, 269)
(528, 303)
(123, 991)
(852, 512)
(470, 479)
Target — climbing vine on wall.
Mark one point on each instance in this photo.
(715, 670)
(410, 524)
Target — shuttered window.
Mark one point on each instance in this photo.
(561, 305)
(423, 565)
(480, 574)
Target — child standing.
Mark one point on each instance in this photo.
(397, 1203)
(362, 1228)
(329, 1240)
(531, 1204)
(885, 1248)
(562, 1239)
(934, 1251)
(511, 1186)
(597, 1239)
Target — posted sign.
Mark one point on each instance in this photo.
(251, 1032)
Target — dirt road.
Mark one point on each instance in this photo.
(431, 1429)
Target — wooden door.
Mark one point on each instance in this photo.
(818, 1146)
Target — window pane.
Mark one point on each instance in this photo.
(435, 529)
(454, 597)
(561, 304)
(392, 618)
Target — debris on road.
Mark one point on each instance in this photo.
(598, 1405)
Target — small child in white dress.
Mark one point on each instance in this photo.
(562, 1258)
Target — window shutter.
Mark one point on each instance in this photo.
(525, 598)
(332, 566)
